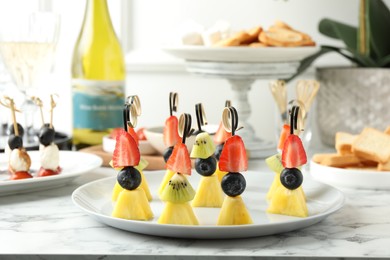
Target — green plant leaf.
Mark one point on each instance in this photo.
(341, 31)
(379, 22)
(384, 62)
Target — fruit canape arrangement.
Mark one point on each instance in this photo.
(209, 192)
(178, 192)
(220, 138)
(171, 136)
(131, 110)
(285, 195)
(131, 201)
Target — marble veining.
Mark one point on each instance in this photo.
(47, 222)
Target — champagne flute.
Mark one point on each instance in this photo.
(27, 46)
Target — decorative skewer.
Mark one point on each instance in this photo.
(10, 104)
(39, 103)
(279, 92)
(306, 92)
(53, 104)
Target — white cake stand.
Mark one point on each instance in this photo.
(241, 67)
(241, 77)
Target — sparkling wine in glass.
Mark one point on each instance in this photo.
(27, 46)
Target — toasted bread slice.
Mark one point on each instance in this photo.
(257, 45)
(387, 131)
(373, 145)
(341, 161)
(252, 35)
(344, 142)
(319, 157)
(281, 37)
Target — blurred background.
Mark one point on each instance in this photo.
(145, 26)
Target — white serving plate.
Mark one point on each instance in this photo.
(241, 54)
(73, 164)
(356, 179)
(95, 199)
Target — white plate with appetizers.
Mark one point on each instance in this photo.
(357, 178)
(72, 164)
(95, 199)
(241, 54)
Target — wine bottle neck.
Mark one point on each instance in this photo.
(97, 15)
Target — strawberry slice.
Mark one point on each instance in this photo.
(221, 135)
(133, 134)
(233, 157)
(171, 132)
(180, 160)
(20, 176)
(283, 136)
(293, 154)
(126, 151)
(115, 132)
(141, 134)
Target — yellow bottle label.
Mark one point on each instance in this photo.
(97, 104)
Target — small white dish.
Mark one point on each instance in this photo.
(155, 137)
(144, 146)
(356, 178)
(241, 54)
(73, 164)
(95, 199)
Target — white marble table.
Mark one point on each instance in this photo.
(46, 225)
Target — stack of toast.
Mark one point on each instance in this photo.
(370, 150)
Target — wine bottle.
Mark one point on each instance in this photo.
(98, 77)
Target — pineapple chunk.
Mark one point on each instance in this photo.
(144, 185)
(234, 212)
(132, 204)
(167, 177)
(178, 214)
(209, 193)
(288, 202)
(115, 192)
(220, 173)
(274, 186)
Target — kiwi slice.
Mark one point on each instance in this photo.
(274, 162)
(178, 190)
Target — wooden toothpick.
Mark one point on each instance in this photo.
(53, 104)
(39, 103)
(10, 104)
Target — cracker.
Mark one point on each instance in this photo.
(344, 142)
(373, 145)
(341, 161)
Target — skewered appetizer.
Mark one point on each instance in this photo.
(233, 160)
(49, 152)
(171, 136)
(220, 138)
(288, 198)
(178, 191)
(132, 202)
(133, 106)
(209, 192)
(11, 131)
(19, 161)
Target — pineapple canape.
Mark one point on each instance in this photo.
(178, 191)
(209, 192)
(289, 198)
(233, 160)
(19, 161)
(133, 103)
(171, 136)
(220, 138)
(132, 202)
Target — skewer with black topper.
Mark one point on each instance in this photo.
(171, 134)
